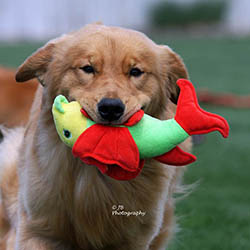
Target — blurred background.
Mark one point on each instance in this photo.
(213, 38)
(43, 19)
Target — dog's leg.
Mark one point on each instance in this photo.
(141, 242)
(168, 226)
(10, 240)
(31, 243)
(37, 243)
(134, 246)
(166, 232)
(27, 240)
(4, 223)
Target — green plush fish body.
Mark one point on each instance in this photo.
(153, 137)
(119, 151)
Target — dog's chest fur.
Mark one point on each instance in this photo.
(77, 204)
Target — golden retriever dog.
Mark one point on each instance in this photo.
(51, 200)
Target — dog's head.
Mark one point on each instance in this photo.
(112, 72)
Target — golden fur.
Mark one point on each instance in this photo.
(50, 200)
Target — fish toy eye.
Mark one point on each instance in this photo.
(67, 133)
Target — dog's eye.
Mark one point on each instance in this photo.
(67, 133)
(88, 69)
(136, 72)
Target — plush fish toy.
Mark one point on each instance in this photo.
(119, 151)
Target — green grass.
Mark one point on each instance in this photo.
(216, 215)
(13, 54)
(218, 64)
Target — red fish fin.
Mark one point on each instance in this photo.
(176, 157)
(192, 118)
(123, 175)
(111, 149)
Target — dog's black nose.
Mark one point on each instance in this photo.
(110, 109)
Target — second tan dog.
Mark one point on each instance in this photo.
(15, 99)
(50, 200)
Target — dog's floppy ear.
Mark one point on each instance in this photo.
(174, 69)
(36, 65)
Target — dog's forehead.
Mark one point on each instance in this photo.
(105, 39)
(117, 33)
